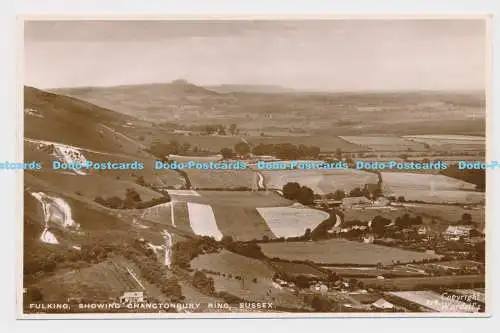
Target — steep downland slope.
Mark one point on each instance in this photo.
(66, 120)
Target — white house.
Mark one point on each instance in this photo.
(319, 287)
(455, 232)
(422, 230)
(368, 238)
(382, 304)
(381, 202)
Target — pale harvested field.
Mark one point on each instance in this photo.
(429, 188)
(202, 220)
(235, 212)
(291, 221)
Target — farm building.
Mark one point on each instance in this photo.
(319, 288)
(382, 304)
(133, 297)
(355, 202)
(331, 203)
(183, 132)
(457, 232)
(256, 158)
(368, 238)
(422, 230)
(381, 202)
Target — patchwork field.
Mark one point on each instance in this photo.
(290, 268)
(451, 142)
(327, 143)
(340, 251)
(430, 188)
(232, 198)
(321, 182)
(247, 278)
(434, 301)
(242, 215)
(385, 143)
(291, 221)
(232, 263)
(223, 179)
(446, 214)
(241, 223)
(412, 283)
(180, 218)
(366, 214)
(371, 271)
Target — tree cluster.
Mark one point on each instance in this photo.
(185, 251)
(474, 176)
(286, 151)
(132, 200)
(161, 150)
(302, 194)
(204, 283)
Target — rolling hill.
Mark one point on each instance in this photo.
(269, 108)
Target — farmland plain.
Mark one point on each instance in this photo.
(321, 182)
(340, 251)
(222, 179)
(451, 142)
(429, 188)
(291, 269)
(247, 278)
(412, 283)
(232, 198)
(241, 223)
(231, 263)
(291, 221)
(385, 143)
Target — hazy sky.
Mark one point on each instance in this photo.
(310, 55)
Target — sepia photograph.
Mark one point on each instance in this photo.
(254, 166)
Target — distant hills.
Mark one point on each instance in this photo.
(265, 108)
(249, 88)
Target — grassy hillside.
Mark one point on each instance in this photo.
(52, 117)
